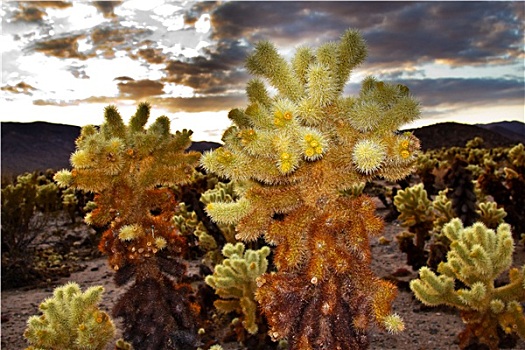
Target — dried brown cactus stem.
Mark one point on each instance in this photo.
(330, 297)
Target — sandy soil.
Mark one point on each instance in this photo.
(426, 328)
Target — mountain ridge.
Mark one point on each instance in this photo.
(39, 146)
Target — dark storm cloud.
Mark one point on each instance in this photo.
(398, 34)
(219, 71)
(401, 36)
(462, 33)
(20, 88)
(106, 7)
(296, 22)
(138, 89)
(455, 91)
(458, 33)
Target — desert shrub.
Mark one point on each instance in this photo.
(27, 206)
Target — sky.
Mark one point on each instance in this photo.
(63, 62)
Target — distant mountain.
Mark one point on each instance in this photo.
(36, 146)
(40, 146)
(512, 130)
(451, 134)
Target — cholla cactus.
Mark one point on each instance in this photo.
(476, 142)
(125, 166)
(462, 192)
(477, 256)
(223, 193)
(416, 213)
(517, 156)
(26, 208)
(71, 320)
(490, 214)
(296, 153)
(426, 165)
(414, 206)
(235, 281)
(443, 210)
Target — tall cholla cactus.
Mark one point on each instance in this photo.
(296, 152)
(71, 320)
(124, 165)
(477, 256)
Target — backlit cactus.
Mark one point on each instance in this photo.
(128, 168)
(477, 256)
(416, 213)
(71, 320)
(296, 153)
(490, 214)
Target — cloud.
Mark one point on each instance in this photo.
(64, 47)
(221, 71)
(199, 104)
(125, 78)
(398, 33)
(105, 40)
(456, 91)
(59, 103)
(193, 14)
(110, 39)
(78, 71)
(20, 88)
(404, 39)
(34, 11)
(153, 56)
(139, 89)
(458, 33)
(106, 7)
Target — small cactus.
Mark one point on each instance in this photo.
(71, 320)
(235, 281)
(477, 256)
